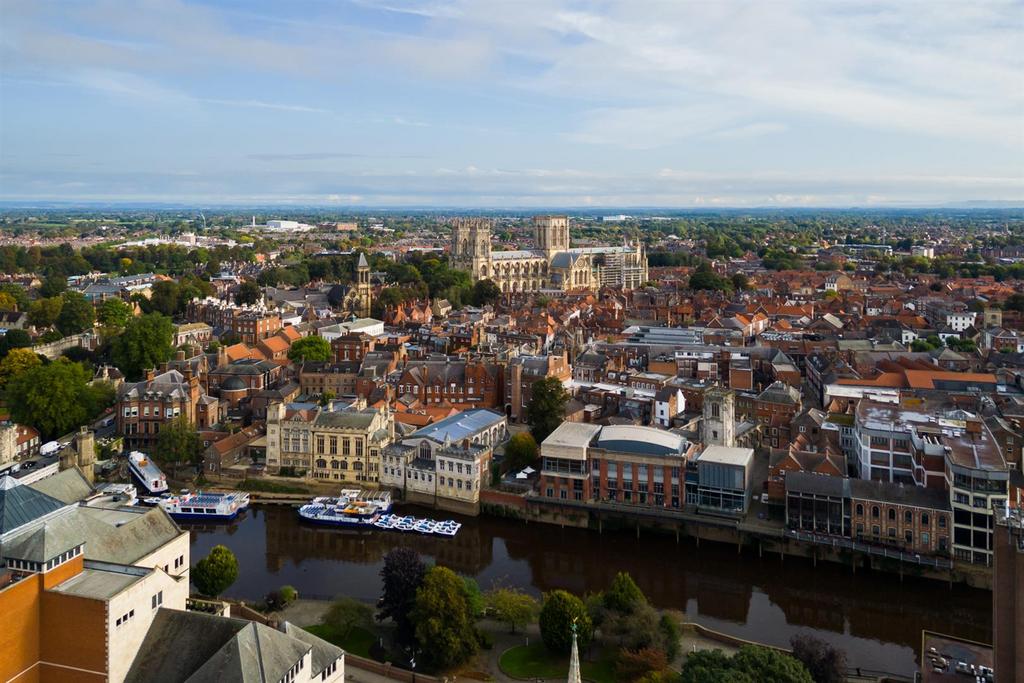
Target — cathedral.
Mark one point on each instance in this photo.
(552, 265)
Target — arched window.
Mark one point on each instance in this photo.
(343, 465)
(357, 465)
(874, 511)
(860, 509)
(925, 520)
(908, 517)
(334, 464)
(321, 463)
(425, 450)
(892, 515)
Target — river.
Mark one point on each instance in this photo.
(874, 616)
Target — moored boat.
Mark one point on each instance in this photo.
(200, 506)
(146, 473)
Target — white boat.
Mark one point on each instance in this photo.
(122, 493)
(200, 506)
(146, 473)
(352, 508)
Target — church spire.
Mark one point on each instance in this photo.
(574, 659)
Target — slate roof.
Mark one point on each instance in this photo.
(69, 486)
(20, 504)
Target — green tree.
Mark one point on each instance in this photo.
(402, 575)
(114, 314)
(54, 285)
(311, 348)
(16, 362)
(248, 293)
(44, 312)
(767, 664)
(76, 314)
(164, 298)
(346, 613)
(17, 293)
(513, 606)
(546, 408)
(520, 451)
(52, 398)
(560, 611)
(7, 302)
(178, 442)
(485, 292)
(215, 573)
(443, 623)
(145, 343)
(624, 595)
(740, 281)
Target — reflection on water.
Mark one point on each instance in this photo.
(875, 617)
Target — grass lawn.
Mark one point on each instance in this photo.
(535, 661)
(260, 486)
(358, 642)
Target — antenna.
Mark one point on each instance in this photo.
(204, 219)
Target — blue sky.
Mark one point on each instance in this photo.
(517, 103)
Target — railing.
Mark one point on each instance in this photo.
(881, 551)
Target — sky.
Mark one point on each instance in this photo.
(512, 103)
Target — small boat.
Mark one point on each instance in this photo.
(205, 506)
(424, 526)
(447, 528)
(351, 508)
(146, 473)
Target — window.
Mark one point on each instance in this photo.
(942, 521)
(860, 509)
(909, 537)
(908, 517)
(875, 512)
(158, 599)
(892, 515)
(925, 521)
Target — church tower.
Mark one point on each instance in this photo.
(460, 243)
(364, 293)
(480, 249)
(718, 428)
(552, 234)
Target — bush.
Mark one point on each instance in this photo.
(215, 573)
(633, 665)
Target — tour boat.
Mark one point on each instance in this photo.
(351, 508)
(205, 506)
(146, 473)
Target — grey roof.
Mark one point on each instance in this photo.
(460, 426)
(780, 392)
(362, 261)
(20, 504)
(255, 653)
(324, 653)
(68, 486)
(886, 492)
(640, 440)
(98, 584)
(178, 643)
(817, 484)
(233, 383)
(346, 419)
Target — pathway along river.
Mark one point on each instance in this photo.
(875, 617)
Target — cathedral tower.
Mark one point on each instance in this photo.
(552, 234)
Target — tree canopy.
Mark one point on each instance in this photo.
(546, 408)
(443, 621)
(16, 362)
(76, 314)
(145, 343)
(520, 451)
(560, 611)
(55, 398)
(178, 442)
(215, 573)
(752, 664)
(248, 293)
(313, 348)
(114, 314)
(512, 606)
(402, 574)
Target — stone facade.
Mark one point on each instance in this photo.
(552, 265)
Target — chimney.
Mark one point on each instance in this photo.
(180, 355)
(150, 374)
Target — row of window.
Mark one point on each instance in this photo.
(908, 515)
(123, 619)
(133, 411)
(157, 599)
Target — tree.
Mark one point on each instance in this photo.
(546, 409)
(624, 595)
(826, 663)
(215, 573)
(248, 293)
(177, 442)
(76, 314)
(520, 451)
(164, 298)
(632, 665)
(312, 348)
(485, 292)
(16, 362)
(145, 343)
(706, 278)
(513, 606)
(44, 312)
(752, 664)
(52, 398)
(740, 281)
(17, 293)
(7, 302)
(346, 613)
(114, 314)
(444, 625)
(474, 598)
(560, 611)
(52, 286)
(402, 574)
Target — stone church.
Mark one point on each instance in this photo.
(552, 265)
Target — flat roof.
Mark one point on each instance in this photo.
(725, 455)
(98, 584)
(572, 435)
(952, 650)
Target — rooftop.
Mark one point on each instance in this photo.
(725, 455)
(640, 440)
(101, 584)
(464, 425)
